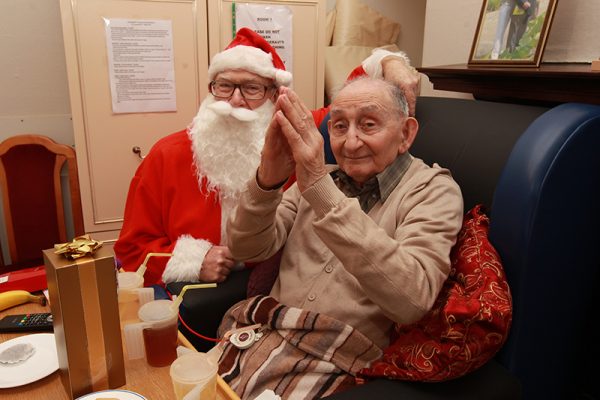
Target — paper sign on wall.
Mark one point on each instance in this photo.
(274, 23)
(140, 61)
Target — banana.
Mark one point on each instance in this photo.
(13, 298)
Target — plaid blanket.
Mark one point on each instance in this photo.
(301, 355)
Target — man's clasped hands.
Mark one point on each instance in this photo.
(292, 144)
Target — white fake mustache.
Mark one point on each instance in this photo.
(223, 108)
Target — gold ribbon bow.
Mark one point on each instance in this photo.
(79, 247)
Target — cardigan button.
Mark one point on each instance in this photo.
(328, 269)
(312, 297)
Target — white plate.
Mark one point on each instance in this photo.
(117, 394)
(41, 364)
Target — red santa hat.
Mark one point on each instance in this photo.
(251, 52)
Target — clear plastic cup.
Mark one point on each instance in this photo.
(194, 377)
(132, 295)
(156, 334)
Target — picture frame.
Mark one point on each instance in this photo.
(512, 32)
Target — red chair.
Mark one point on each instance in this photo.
(32, 196)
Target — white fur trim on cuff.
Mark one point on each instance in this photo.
(372, 64)
(187, 259)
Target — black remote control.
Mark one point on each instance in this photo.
(38, 322)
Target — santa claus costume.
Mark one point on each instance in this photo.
(185, 188)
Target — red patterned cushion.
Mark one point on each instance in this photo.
(468, 323)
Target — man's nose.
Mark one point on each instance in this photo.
(353, 140)
(236, 99)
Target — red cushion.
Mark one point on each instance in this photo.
(468, 323)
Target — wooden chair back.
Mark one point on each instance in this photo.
(32, 196)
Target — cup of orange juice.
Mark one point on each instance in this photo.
(194, 377)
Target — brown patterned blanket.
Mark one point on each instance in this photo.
(301, 354)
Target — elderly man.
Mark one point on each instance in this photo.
(186, 186)
(367, 242)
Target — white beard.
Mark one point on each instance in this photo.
(227, 144)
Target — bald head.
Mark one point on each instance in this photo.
(369, 127)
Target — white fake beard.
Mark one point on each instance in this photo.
(227, 143)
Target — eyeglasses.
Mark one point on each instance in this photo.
(249, 90)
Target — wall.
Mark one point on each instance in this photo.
(574, 34)
(33, 78)
(442, 48)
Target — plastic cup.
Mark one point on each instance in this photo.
(194, 377)
(132, 296)
(156, 334)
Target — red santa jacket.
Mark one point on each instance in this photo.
(165, 202)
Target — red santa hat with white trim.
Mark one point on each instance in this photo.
(251, 52)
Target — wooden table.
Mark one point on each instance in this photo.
(153, 383)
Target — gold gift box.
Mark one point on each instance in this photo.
(83, 300)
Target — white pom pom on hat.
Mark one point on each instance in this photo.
(251, 52)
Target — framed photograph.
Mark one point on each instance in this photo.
(512, 32)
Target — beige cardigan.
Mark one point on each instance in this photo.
(367, 270)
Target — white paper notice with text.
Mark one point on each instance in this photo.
(274, 23)
(141, 66)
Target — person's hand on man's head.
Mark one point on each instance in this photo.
(404, 76)
(217, 265)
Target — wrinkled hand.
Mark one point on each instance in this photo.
(404, 76)
(217, 264)
(303, 137)
(276, 162)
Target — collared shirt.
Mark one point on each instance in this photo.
(377, 188)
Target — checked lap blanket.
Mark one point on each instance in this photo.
(301, 355)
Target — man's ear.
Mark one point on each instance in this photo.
(410, 128)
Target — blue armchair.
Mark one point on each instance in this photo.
(545, 224)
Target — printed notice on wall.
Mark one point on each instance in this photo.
(274, 23)
(140, 62)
